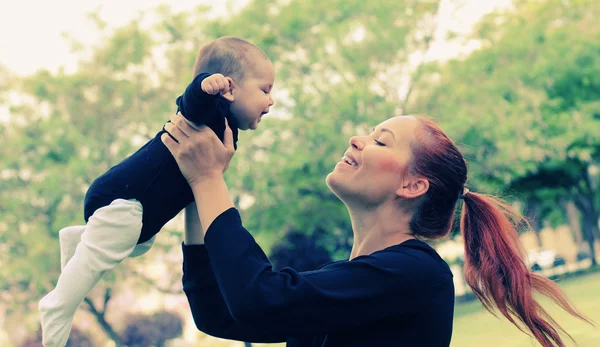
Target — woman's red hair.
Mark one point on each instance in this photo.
(494, 258)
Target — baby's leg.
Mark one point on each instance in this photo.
(69, 238)
(109, 237)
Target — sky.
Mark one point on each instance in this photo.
(31, 30)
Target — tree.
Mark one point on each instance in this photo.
(66, 129)
(525, 106)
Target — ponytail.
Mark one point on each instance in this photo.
(498, 275)
(494, 265)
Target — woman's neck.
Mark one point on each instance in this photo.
(378, 228)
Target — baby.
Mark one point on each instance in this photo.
(128, 205)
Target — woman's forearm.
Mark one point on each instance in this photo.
(212, 199)
(194, 234)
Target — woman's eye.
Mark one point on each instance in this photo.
(379, 143)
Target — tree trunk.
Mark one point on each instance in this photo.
(416, 75)
(532, 216)
(574, 224)
(99, 315)
(589, 221)
(588, 228)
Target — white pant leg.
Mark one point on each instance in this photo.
(109, 237)
(69, 238)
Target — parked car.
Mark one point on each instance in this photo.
(540, 259)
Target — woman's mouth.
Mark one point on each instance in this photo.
(349, 161)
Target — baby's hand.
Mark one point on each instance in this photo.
(215, 84)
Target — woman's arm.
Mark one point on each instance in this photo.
(208, 308)
(212, 199)
(338, 297)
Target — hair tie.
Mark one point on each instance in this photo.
(464, 193)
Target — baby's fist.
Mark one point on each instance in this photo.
(215, 84)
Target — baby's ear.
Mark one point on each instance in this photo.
(229, 95)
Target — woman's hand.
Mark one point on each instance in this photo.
(198, 151)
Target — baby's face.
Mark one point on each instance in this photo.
(252, 97)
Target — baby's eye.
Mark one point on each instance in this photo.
(379, 143)
(266, 91)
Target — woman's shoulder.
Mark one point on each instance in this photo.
(413, 259)
(411, 256)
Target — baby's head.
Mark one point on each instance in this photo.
(250, 73)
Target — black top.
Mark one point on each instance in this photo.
(151, 174)
(400, 296)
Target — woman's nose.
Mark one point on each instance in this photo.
(357, 143)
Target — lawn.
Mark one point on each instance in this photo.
(473, 326)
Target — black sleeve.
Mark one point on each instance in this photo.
(209, 310)
(338, 297)
(196, 105)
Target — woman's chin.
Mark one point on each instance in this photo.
(330, 181)
(334, 182)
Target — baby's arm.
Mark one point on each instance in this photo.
(198, 102)
(217, 83)
(196, 105)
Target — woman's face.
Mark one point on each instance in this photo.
(373, 169)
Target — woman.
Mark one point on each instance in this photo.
(400, 183)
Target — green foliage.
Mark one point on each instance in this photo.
(524, 109)
(70, 128)
(530, 125)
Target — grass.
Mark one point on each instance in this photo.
(473, 326)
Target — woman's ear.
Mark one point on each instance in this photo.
(229, 95)
(413, 187)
